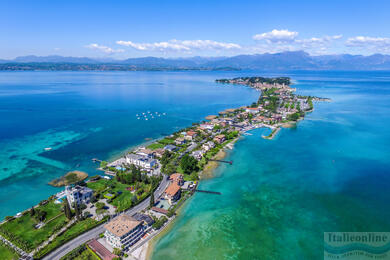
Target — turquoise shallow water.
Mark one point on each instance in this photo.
(83, 115)
(331, 173)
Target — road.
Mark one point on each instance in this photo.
(72, 244)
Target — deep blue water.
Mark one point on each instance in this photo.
(83, 115)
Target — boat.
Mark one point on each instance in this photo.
(48, 148)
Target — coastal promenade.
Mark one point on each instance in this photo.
(85, 237)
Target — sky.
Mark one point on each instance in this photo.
(169, 28)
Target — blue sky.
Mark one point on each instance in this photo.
(122, 29)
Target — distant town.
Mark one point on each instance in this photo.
(111, 216)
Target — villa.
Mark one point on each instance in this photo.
(180, 141)
(177, 178)
(145, 152)
(78, 194)
(123, 231)
(159, 152)
(208, 146)
(172, 193)
(170, 147)
(219, 139)
(252, 110)
(141, 161)
(190, 135)
(197, 154)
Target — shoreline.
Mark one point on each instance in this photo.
(207, 173)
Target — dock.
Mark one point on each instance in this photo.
(208, 191)
(229, 162)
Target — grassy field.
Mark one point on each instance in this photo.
(122, 201)
(69, 234)
(24, 233)
(6, 253)
(155, 146)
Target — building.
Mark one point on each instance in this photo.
(197, 154)
(190, 135)
(208, 146)
(123, 231)
(219, 139)
(146, 219)
(178, 178)
(170, 147)
(180, 141)
(252, 110)
(172, 193)
(100, 250)
(159, 152)
(206, 126)
(141, 161)
(78, 194)
(145, 152)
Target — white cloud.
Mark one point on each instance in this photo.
(276, 36)
(102, 48)
(372, 44)
(177, 45)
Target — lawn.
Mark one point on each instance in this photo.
(23, 233)
(6, 253)
(155, 146)
(75, 230)
(122, 201)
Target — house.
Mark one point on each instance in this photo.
(101, 250)
(159, 152)
(208, 146)
(252, 110)
(141, 161)
(197, 154)
(78, 194)
(170, 147)
(172, 193)
(123, 231)
(180, 141)
(178, 178)
(206, 126)
(145, 152)
(219, 139)
(146, 219)
(190, 135)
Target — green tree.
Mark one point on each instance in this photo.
(152, 200)
(189, 164)
(68, 212)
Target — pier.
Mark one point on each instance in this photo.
(229, 162)
(208, 191)
(96, 160)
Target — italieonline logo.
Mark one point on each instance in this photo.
(357, 245)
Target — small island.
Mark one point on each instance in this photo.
(69, 178)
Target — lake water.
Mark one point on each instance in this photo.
(331, 173)
(83, 115)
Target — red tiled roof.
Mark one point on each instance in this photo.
(172, 189)
(100, 250)
(163, 211)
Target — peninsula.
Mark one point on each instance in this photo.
(115, 215)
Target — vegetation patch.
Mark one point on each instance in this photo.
(69, 178)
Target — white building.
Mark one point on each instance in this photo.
(78, 194)
(141, 161)
(197, 154)
(208, 146)
(123, 231)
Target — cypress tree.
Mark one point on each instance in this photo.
(68, 212)
(152, 199)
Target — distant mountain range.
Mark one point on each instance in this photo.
(297, 60)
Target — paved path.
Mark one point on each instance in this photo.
(83, 238)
